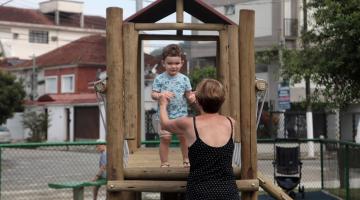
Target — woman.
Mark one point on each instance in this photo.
(209, 136)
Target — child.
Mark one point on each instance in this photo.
(176, 87)
(101, 174)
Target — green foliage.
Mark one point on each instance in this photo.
(200, 73)
(38, 123)
(11, 96)
(331, 58)
(268, 56)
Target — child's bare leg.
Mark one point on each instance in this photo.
(164, 150)
(184, 150)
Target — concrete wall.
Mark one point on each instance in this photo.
(21, 47)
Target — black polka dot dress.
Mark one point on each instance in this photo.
(211, 174)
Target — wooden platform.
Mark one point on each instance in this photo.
(149, 157)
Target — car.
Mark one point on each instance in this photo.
(5, 136)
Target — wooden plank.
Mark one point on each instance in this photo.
(178, 26)
(114, 96)
(157, 173)
(234, 78)
(179, 11)
(272, 189)
(179, 15)
(169, 186)
(131, 109)
(247, 101)
(223, 69)
(179, 37)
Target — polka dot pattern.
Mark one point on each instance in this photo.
(211, 174)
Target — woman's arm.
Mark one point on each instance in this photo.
(177, 126)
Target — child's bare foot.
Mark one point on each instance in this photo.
(165, 164)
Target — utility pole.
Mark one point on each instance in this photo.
(309, 115)
(33, 78)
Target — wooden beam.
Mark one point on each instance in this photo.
(234, 69)
(169, 186)
(131, 109)
(247, 101)
(179, 15)
(179, 37)
(179, 11)
(114, 96)
(223, 71)
(271, 188)
(157, 173)
(178, 26)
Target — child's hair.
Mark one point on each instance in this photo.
(172, 50)
(210, 94)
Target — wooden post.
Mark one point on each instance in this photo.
(247, 101)
(131, 108)
(179, 14)
(223, 69)
(114, 96)
(234, 78)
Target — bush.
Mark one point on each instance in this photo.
(38, 123)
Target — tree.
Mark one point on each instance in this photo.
(200, 73)
(38, 123)
(11, 96)
(332, 58)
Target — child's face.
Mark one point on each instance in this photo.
(173, 64)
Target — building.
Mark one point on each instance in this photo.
(63, 88)
(25, 33)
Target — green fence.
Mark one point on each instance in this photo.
(26, 169)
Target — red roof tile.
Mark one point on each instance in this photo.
(31, 16)
(160, 9)
(86, 50)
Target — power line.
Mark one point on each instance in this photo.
(6, 2)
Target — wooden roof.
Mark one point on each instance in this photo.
(160, 9)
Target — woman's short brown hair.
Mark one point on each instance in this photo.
(210, 94)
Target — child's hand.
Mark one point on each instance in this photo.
(164, 100)
(168, 95)
(192, 97)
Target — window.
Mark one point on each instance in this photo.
(51, 84)
(67, 83)
(229, 9)
(39, 37)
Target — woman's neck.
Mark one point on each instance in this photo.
(205, 114)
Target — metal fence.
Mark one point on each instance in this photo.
(341, 169)
(27, 169)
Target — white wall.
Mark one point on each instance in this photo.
(57, 129)
(22, 48)
(263, 15)
(15, 126)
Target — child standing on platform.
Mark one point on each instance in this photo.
(174, 86)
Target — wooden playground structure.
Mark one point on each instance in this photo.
(235, 69)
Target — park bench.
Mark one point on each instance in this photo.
(77, 186)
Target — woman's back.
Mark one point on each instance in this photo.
(211, 175)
